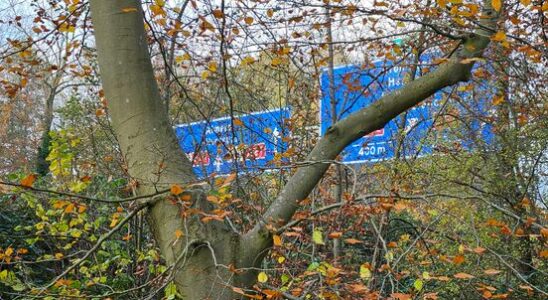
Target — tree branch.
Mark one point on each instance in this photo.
(365, 121)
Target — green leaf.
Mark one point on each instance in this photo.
(317, 237)
(365, 273)
(170, 291)
(418, 284)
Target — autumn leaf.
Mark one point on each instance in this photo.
(262, 277)
(217, 13)
(28, 181)
(248, 20)
(238, 122)
(479, 250)
(212, 67)
(401, 296)
(459, 259)
(334, 235)
(129, 9)
(317, 237)
(491, 272)
(178, 233)
(497, 4)
(463, 276)
(176, 189)
(248, 60)
(277, 240)
(365, 273)
(500, 36)
(352, 241)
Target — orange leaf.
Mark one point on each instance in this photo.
(69, 208)
(178, 233)
(479, 250)
(497, 4)
(491, 272)
(277, 240)
(543, 254)
(463, 276)
(334, 235)
(238, 122)
(459, 259)
(352, 241)
(129, 9)
(29, 180)
(401, 296)
(176, 189)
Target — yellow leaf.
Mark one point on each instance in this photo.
(8, 251)
(176, 189)
(500, 36)
(59, 255)
(262, 277)
(317, 237)
(205, 74)
(277, 240)
(179, 59)
(365, 273)
(129, 9)
(212, 66)
(178, 233)
(525, 2)
(248, 60)
(497, 100)
(276, 61)
(281, 259)
(497, 4)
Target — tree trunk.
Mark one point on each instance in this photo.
(42, 165)
(154, 159)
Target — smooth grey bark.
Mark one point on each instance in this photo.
(151, 151)
(155, 160)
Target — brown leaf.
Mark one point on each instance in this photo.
(463, 276)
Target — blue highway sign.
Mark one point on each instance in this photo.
(217, 147)
(357, 87)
